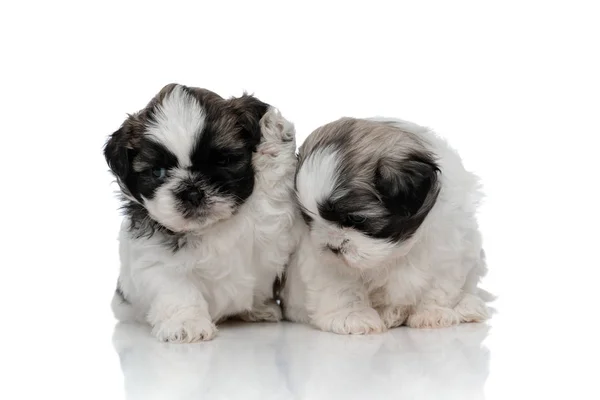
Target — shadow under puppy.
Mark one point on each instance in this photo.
(391, 235)
(207, 186)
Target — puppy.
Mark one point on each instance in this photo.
(391, 236)
(207, 189)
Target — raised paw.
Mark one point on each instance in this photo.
(351, 322)
(433, 317)
(176, 330)
(393, 316)
(276, 128)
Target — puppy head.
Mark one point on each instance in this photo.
(365, 188)
(186, 158)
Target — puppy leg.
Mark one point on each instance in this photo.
(264, 306)
(343, 307)
(433, 316)
(392, 315)
(178, 311)
(472, 306)
(444, 312)
(436, 307)
(265, 310)
(293, 294)
(173, 321)
(472, 309)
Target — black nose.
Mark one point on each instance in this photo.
(193, 196)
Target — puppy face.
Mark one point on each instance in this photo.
(365, 188)
(186, 158)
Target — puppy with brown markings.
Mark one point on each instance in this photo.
(391, 236)
(207, 187)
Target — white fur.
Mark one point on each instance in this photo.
(231, 267)
(178, 115)
(322, 164)
(315, 182)
(426, 282)
(178, 126)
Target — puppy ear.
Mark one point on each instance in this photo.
(408, 185)
(117, 152)
(250, 110)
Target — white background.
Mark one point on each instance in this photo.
(514, 86)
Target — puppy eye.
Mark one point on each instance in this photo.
(356, 218)
(159, 173)
(224, 161)
(307, 218)
(231, 160)
(329, 206)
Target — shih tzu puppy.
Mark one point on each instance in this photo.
(207, 189)
(391, 236)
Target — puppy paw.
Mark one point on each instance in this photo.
(393, 316)
(176, 330)
(269, 312)
(275, 128)
(472, 309)
(433, 317)
(352, 322)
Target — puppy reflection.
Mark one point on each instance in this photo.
(400, 364)
(229, 368)
(292, 361)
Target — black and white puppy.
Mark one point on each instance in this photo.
(391, 235)
(207, 186)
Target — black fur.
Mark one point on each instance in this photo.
(141, 225)
(221, 158)
(409, 193)
(406, 192)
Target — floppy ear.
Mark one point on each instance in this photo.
(117, 152)
(119, 148)
(408, 185)
(250, 110)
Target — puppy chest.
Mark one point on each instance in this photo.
(227, 281)
(231, 295)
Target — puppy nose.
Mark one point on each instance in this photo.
(193, 196)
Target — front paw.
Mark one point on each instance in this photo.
(433, 317)
(393, 316)
(178, 330)
(351, 322)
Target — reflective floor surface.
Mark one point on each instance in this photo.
(290, 361)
